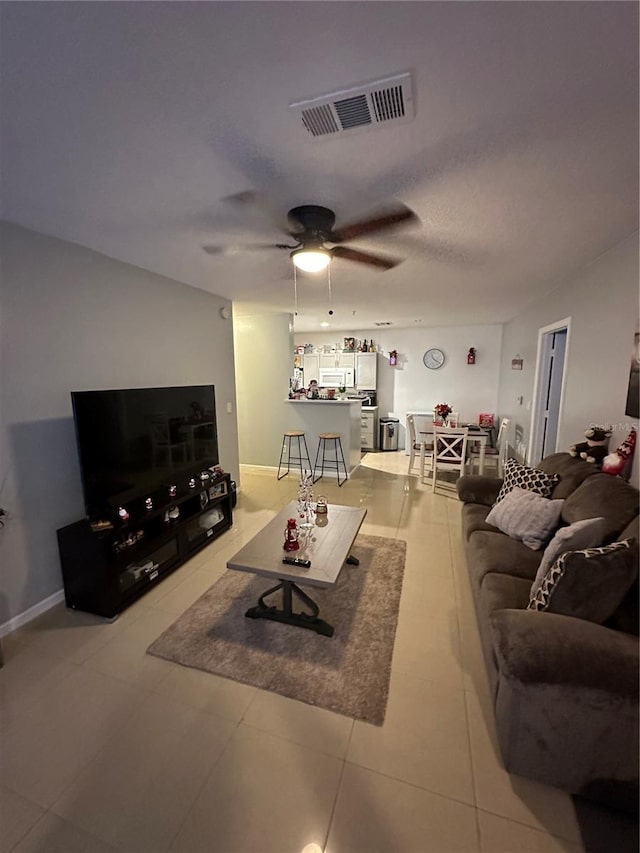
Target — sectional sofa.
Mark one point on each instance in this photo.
(564, 689)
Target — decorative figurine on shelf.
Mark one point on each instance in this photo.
(148, 502)
(393, 357)
(471, 356)
(173, 491)
(122, 512)
(291, 536)
(305, 498)
(192, 483)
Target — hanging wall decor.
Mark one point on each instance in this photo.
(471, 356)
(516, 363)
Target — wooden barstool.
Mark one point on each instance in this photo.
(300, 458)
(331, 464)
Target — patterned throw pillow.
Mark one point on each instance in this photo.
(588, 584)
(588, 533)
(526, 516)
(516, 474)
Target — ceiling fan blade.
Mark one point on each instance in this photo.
(238, 248)
(376, 261)
(388, 219)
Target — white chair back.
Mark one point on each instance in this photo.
(414, 442)
(450, 450)
(502, 443)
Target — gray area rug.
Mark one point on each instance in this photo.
(347, 673)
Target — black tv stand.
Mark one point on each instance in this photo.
(107, 568)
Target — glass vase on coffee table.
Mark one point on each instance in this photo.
(305, 502)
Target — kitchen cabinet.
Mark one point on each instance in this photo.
(366, 370)
(369, 428)
(310, 367)
(342, 360)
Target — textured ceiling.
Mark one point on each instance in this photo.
(126, 127)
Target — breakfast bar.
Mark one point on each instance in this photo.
(317, 416)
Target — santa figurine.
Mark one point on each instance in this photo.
(620, 460)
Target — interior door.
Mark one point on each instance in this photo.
(553, 391)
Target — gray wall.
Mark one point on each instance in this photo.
(602, 301)
(264, 364)
(73, 319)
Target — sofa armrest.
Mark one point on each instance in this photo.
(533, 648)
(478, 489)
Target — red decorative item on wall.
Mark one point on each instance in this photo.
(471, 356)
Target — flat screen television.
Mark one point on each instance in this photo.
(137, 441)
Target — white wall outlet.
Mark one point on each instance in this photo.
(229, 408)
(528, 405)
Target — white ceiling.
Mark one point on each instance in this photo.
(125, 126)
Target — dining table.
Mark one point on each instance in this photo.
(475, 435)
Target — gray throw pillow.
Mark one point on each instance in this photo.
(521, 476)
(588, 584)
(526, 516)
(588, 533)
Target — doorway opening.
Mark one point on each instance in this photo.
(548, 391)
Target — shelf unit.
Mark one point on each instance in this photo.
(104, 571)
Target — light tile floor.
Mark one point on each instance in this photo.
(105, 748)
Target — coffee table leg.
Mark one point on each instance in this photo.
(286, 614)
(352, 561)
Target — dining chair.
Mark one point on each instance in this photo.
(416, 443)
(449, 451)
(493, 456)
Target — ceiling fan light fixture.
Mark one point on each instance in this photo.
(311, 260)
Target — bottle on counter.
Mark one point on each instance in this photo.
(371, 346)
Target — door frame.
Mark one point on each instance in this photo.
(545, 335)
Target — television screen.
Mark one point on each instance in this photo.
(134, 441)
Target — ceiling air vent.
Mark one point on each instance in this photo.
(370, 105)
(384, 323)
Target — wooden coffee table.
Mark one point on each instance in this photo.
(326, 545)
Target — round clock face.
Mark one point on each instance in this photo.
(433, 359)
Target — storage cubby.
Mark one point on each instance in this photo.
(106, 570)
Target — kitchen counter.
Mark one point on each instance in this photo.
(316, 416)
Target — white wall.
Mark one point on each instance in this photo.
(73, 319)
(602, 301)
(410, 386)
(264, 364)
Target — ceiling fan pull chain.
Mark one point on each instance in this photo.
(329, 285)
(295, 292)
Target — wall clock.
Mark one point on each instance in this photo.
(433, 358)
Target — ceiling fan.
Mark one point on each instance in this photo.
(311, 226)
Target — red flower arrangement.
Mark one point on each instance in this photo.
(442, 410)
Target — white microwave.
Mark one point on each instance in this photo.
(335, 377)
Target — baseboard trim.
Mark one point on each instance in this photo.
(22, 618)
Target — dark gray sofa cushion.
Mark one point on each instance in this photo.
(502, 592)
(606, 496)
(627, 616)
(572, 472)
(589, 584)
(495, 552)
(474, 518)
(478, 489)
